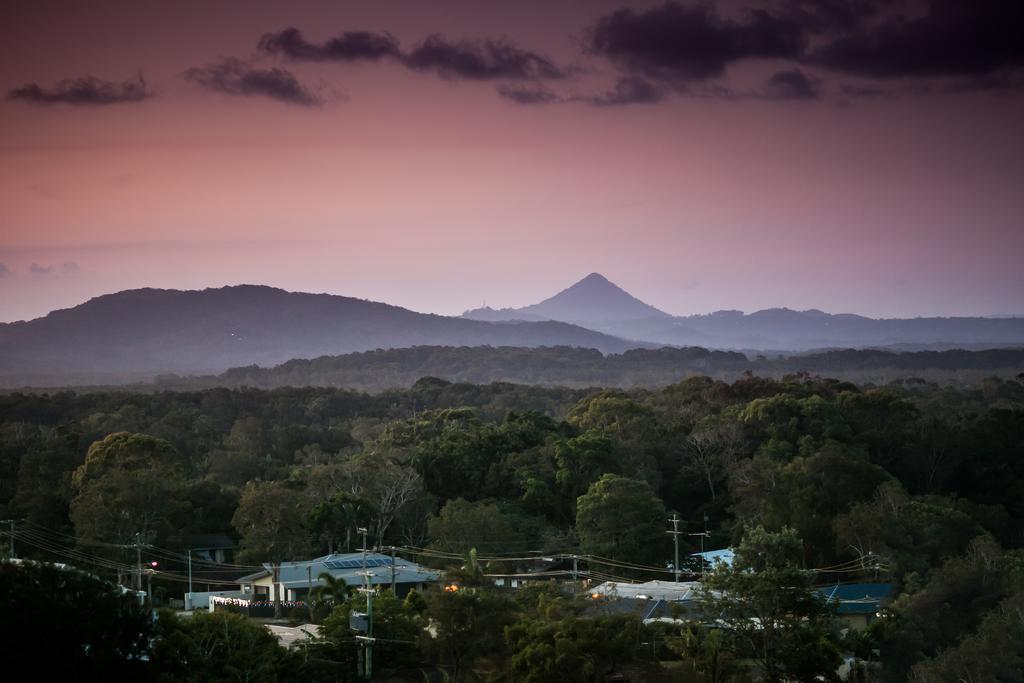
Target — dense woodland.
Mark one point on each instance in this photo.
(579, 367)
(912, 482)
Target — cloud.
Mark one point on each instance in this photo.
(851, 91)
(351, 46)
(528, 95)
(4, 270)
(37, 269)
(69, 268)
(678, 43)
(952, 38)
(87, 90)
(791, 84)
(465, 59)
(479, 60)
(628, 90)
(234, 77)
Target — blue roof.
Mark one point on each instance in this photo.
(857, 598)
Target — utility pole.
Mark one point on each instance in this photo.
(11, 522)
(675, 542)
(138, 561)
(394, 590)
(368, 641)
(703, 534)
(190, 578)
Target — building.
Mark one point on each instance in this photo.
(652, 600)
(857, 604)
(295, 579)
(712, 557)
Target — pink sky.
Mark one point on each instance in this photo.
(438, 194)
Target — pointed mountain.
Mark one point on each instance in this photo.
(594, 301)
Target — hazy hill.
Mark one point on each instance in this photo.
(578, 367)
(150, 331)
(597, 304)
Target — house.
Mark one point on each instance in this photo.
(295, 579)
(211, 547)
(857, 604)
(652, 600)
(712, 557)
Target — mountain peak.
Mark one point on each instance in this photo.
(594, 299)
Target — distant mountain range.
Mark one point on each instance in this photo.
(597, 304)
(138, 333)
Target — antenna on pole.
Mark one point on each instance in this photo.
(675, 542)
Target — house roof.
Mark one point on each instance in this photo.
(725, 556)
(857, 598)
(347, 566)
(670, 591)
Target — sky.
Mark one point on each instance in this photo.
(854, 156)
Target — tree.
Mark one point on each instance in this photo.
(769, 612)
(465, 625)
(217, 646)
(622, 519)
(554, 641)
(270, 519)
(329, 589)
(129, 484)
(995, 652)
(461, 525)
(396, 625)
(66, 624)
(338, 517)
(710, 449)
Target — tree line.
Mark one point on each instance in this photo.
(915, 483)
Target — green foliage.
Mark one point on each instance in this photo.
(397, 627)
(270, 518)
(461, 525)
(621, 519)
(767, 610)
(129, 484)
(892, 483)
(217, 646)
(921, 624)
(464, 627)
(62, 623)
(553, 641)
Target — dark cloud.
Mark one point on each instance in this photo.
(952, 38)
(628, 90)
(87, 90)
(528, 95)
(37, 269)
(994, 83)
(234, 77)
(686, 43)
(831, 16)
(4, 270)
(791, 84)
(479, 60)
(351, 46)
(850, 91)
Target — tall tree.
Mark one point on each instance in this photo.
(768, 611)
(270, 519)
(129, 484)
(622, 519)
